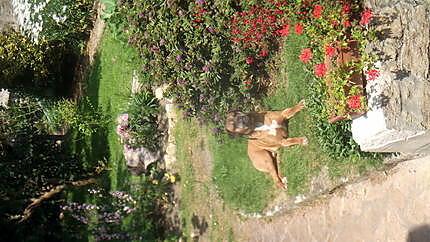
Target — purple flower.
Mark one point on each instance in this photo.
(211, 30)
(201, 2)
(206, 68)
(141, 15)
(162, 42)
(179, 58)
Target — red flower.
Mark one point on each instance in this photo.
(263, 53)
(299, 29)
(306, 55)
(330, 51)
(354, 102)
(372, 74)
(320, 70)
(366, 16)
(249, 60)
(346, 24)
(284, 31)
(317, 11)
(346, 8)
(278, 12)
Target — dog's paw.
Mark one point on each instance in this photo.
(305, 141)
(284, 183)
(284, 180)
(302, 104)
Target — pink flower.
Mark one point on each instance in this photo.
(318, 9)
(284, 31)
(330, 51)
(320, 70)
(122, 120)
(354, 102)
(249, 60)
(366, 16)
(372, 74)
(263, 53)
(306, 55)
(299, 29)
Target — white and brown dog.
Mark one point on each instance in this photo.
(266, 132)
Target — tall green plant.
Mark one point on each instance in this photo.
(82, 116)
(143, 113)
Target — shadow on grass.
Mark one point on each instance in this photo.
(95, 148)
(93, 81)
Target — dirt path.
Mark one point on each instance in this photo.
(392, 206)
(387, 207)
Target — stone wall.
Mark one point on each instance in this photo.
(6, 14)
(399, 120)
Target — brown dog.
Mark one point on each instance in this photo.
(267, 133)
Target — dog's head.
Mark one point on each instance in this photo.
(239, 123)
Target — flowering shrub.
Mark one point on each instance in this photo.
(54, 19)
(121, 215)
(337, 33)
(52, 34)
(211, 53)
(103, 221)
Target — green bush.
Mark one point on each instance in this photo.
(143, 113)
(22, 59)
(65, 114)
(45, 57)
(31, 163)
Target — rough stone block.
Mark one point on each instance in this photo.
(399, 99)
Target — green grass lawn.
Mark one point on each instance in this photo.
(109, 88)
(241, 186)
(196, 186)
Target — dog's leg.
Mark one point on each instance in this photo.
(276, 158)
(294, 141)
(290, 112)
(264, 162)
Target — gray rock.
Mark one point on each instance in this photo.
(402, 92)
